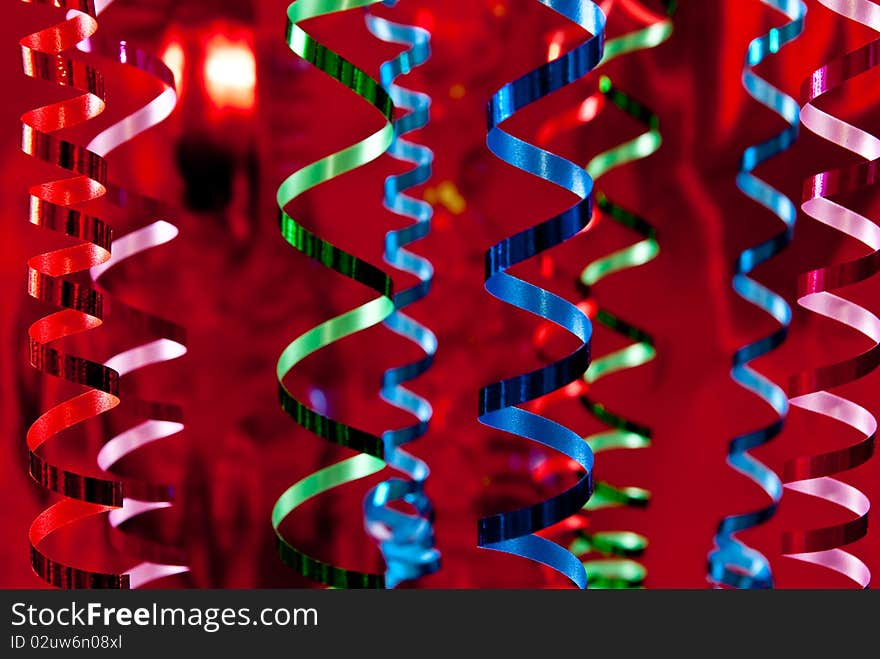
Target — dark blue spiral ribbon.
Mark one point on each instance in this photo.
(407, 541)
(514, 532)
(732, 563)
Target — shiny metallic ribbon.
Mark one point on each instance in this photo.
(515, 531)
(731, 562)
(625, 433)
(407, 541)
(158, 420)
(616, 568)
(813, 475)
(55, 205)
(372, 449)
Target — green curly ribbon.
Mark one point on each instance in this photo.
(648, 37)
(612, 573)
(621, 571)
(371, 448)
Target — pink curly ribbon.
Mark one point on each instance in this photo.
(812, 475)
(161, 420)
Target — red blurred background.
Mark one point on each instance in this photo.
(243, 293)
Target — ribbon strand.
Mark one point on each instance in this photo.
(515, 531)
(614, 567)
(813, 475)
(407, 541)
(732, 563)
(374, 453)
(156, 421)
(55, 205)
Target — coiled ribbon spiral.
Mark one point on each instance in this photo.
(52, 207)
(732, 563)
(371, 448)
(813, 475)
(515, 531)
(56, 205)
(615, 569)
(406, 540)
(157, 420)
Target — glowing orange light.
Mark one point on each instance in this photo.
(175, 59)
(230, 73)
(451, 197)
(447, 195)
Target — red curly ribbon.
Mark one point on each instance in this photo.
(55, 205)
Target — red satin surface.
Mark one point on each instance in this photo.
(242, 294)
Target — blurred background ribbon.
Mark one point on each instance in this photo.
(151, 228)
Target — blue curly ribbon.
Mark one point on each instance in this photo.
(514, 532)
(406, 541)
(732, 563)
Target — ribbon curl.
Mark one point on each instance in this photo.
(515, 531)
(616, 569)
(624, 433)
(55, 205)
(406, 540)
(731, 562)
(156, 420)
(372, 448)
(812, 475)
